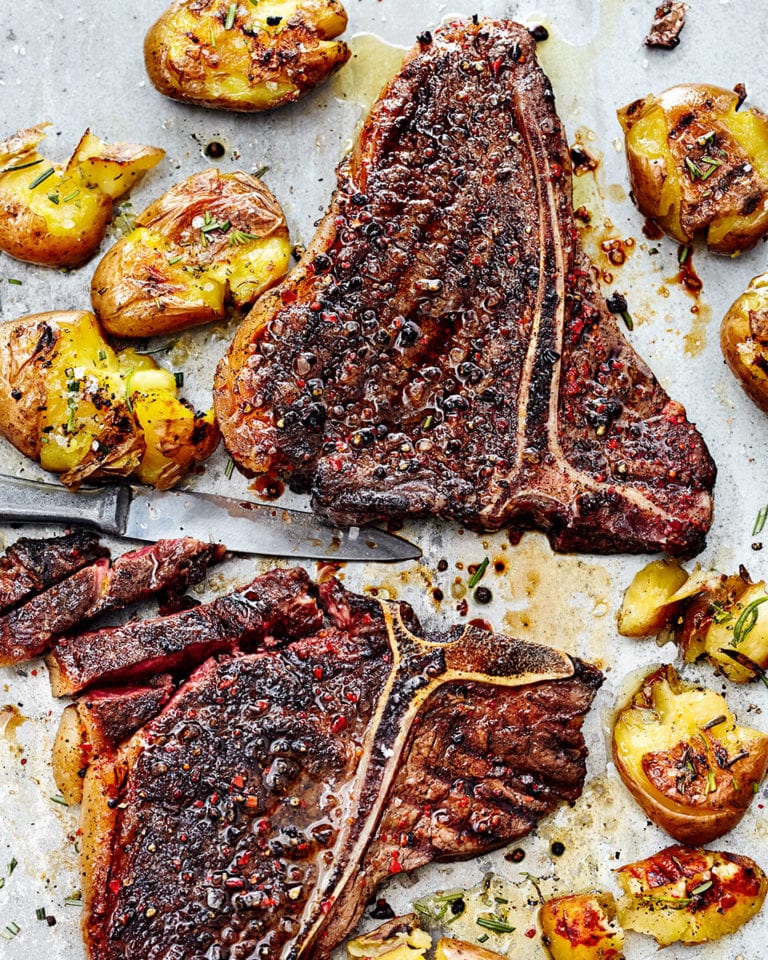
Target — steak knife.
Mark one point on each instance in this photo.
(243, 526)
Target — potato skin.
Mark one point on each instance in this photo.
(582, 927)
(178, 269)
(257, 64)
(685, 895)
(681, 755)
(744, 340)
(68, 401)
(698, 166)
(56, 216)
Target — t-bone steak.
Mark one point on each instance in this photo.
(257, 813)
(443, 347)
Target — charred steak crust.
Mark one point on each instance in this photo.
(31, 565)
(256, 813)
(443, 347)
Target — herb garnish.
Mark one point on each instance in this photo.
(260, 171)
(494, 923)
(746, 622)
(209, 225)
(12, 865)
(760, 521)
(240, 237)
(179, 378)
(744, 661)
(231, 14)
(229, 469)
(42, 177)
(172, 259)
(22, 166)
(719, 613)
(14, 281)
(683, 254)
(477, 576)
(60, 800)
(702, 888)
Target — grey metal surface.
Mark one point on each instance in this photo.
(81, 65)
(243, 526)
(253, 528)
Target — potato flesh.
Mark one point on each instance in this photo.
(690, 896)
(582, 927)
(449, 948)
(747, 636)
(682, 755)
(646, 607)
(68, 758)
(67, 205)
(85, 371)
(398, 939)
(696, 165)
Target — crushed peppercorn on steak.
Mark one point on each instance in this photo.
(255, 815)
(443, 347)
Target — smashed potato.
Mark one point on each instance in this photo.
(744, 340)
(401, 938)
(58, 216)
(214, 238)
(727, 622)
(398, 939)
(582, 927)
(646, 606)
(697, 166)
(682, 756)
(69, 401)
(690, 896)
(245, 56)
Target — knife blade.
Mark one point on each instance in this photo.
(243, 526)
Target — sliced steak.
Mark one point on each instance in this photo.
(110, 716)
(29, 566)
(443, 348)
(240, 822)
(268, 607)
(31, 629)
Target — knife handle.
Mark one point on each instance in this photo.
(32, 501)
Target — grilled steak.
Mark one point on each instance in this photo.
(31, 629)
(269, 605)
(110, 716)
(443, 348)
(255, 814)
(29, 566)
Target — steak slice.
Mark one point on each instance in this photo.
(270, 604)
(29, 566)
(31, 629)
(443, 347)
(110, 716)
(239, 822)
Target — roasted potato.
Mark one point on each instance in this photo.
(68, 759)
(727, 622)
(582, 927)
(450, 949)
(212, 239)
(244, 55)
(58, 216)
(744, 340)
(70, 402)
(646, 609)
(682, 756)
(398, 939)
(697, 166)
(690, 896)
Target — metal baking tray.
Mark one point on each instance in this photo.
(81, 65)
